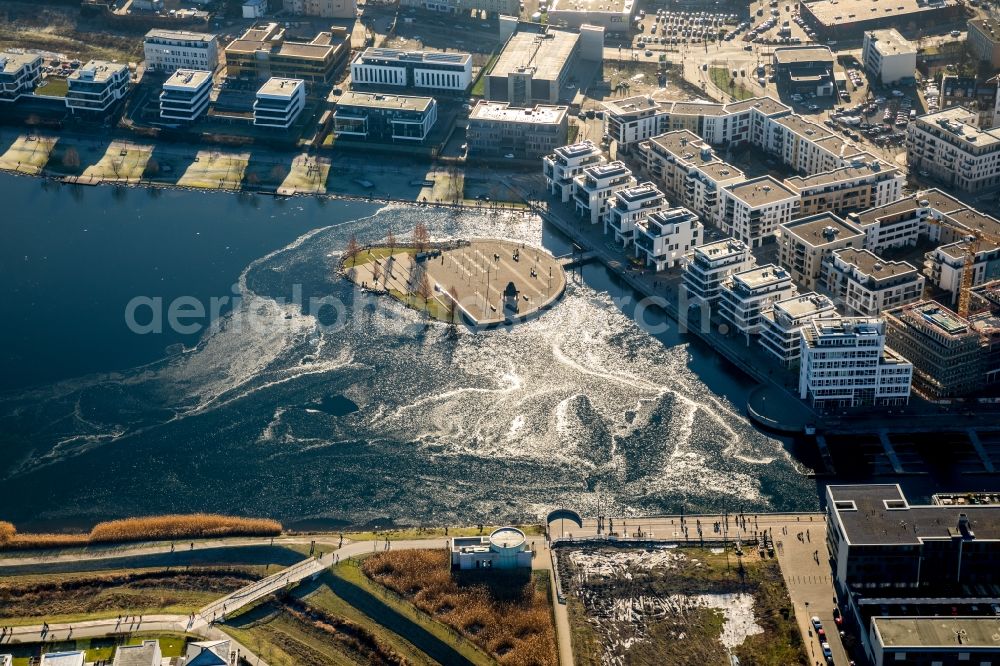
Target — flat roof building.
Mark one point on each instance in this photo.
(630, 206)
(664, 238)
(805, 69)
(492, 7)
(983, 39)
(566, 163)
(497, 128)
(780, 326)
(596, 186)
(866, 285)
(746, 295)
(947, 641)
(859, 186)
(753, 210)
(889, 57)
(612, 15)
(342, 9)
(377, 67)
(950, 146)
(384, 118)
(533, 67)
(63, 659)
(805, 243)
(279, 102)
(709, 265)
(147, 654)
(504, 548)
(96, 87)
(169, 50)
(19, 75)
(843, 19)
(185, 95)
(264, 52)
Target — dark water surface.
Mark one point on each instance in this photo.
(279, 410)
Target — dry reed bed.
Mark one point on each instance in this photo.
(503, 612)
(189, 526)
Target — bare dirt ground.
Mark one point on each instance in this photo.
(62, 30)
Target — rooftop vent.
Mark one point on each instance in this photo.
(830, 232)
(965, 527)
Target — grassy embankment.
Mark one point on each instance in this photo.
(722, 77)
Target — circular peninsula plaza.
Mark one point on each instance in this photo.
(483, 282)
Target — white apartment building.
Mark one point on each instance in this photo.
(169, 50)
(711, 264)
(255, 9)
(185, 95)
(687, 169)
(97, 86)
(322, 8)
(746, 295)
(810, 148)
(948, 145)
(630, 205)
(866, 284)
(845, 363)
(781, 325)
(632, 120)
(805, 243)
(665, 237)
(888, 56)
(412, 69)
(279, 103)
(566, 163)
(19, 75)
(945, 265)
(596, 187)
(753, 210)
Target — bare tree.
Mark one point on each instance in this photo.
(425, 291)
(452, 305)
(376, 271)
(71, 159)
(421, 236)
(390, 240)
(351, 250)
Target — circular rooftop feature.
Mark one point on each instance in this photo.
(507, 539)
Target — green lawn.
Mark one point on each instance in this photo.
(722, 77)
(53, 86)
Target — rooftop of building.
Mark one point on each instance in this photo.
(11, 62)
(63, 659)
(890, 42)
(844, 327)
(271, 38)
(788, 55)
(973, 220)
(544, 53)
(879, 514)
(870, 264)
(187, 79)
(760, 191)
(762, 276)
(721, 171)
(843, 174)
(159, 33)
(698, 109)
(932, 315)
(279, 87)
(821, 229)
(608, 170)
(685, 145)
(97, 70)
(766, 105)
(629, 105)
(639, 192)
(451, 58)
(959, 249)
(384, 101)
(722, 248)
(990, 28)
(501, 111)
(939, 201)
(589, 6)
(842, 148)
(803, 127)
(578, 149)
(845, 12)
(904, 205)
(953, 633)
(136, 655)
(804, 305)
(959, 122)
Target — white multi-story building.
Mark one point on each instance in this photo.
(19, 75)
(754, 209)
(866, 284)
(185, 95)
(948, 145)
(863, 185)
(169, 50)
(279, 103)
(96, 87)
(806, 242)
(255, 9)
(412, 69)
(779, 333)
(945, 265)
(632, 120)
(745, 296)
(629, 206)
(710, 265)
(565, 164)
(596, 187)
(344, 9)
(666, 237)
(888, 56)
(845, 363)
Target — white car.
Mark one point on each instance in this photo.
(509, 156)
(955, 33)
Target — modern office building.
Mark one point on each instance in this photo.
(384, 118)
(96, 87)
(709, 265)
(492, 7)
(983, 40)
(279, 103)
(849, 19)
(565, 164)
(340, 9)
(63, 659)
(170, 50)
(805, 69)
(146, 654)
(425, 70)
(185, 95)
(866, 285)
(533, 67)
(614, 16)
(805, 243)
(746, 295)
(845, 363)
(629, 207)
(496, 128)
(596, 187)
(19, 75)
(933, 641)
(889, 58)
(950, 147)
(504, 548)
(781, 325)
(264, 52)
(665, 238)
(850, 188)
(753, 210)
(950, 356)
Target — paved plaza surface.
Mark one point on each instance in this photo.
(476, 275)
(803, 559)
